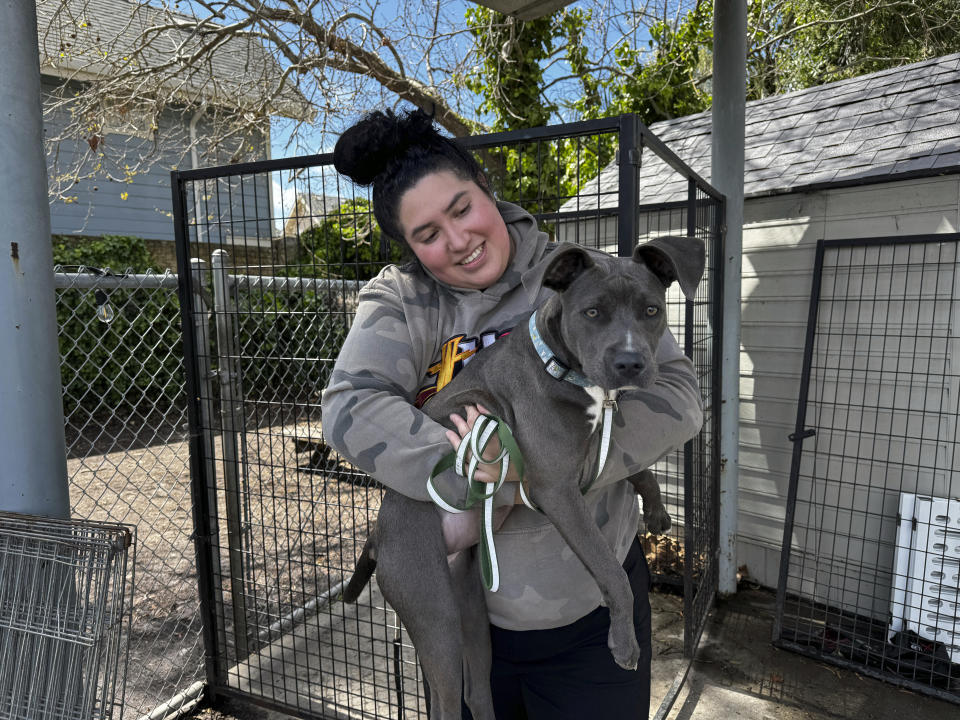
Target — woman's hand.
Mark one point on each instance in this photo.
(484, 473)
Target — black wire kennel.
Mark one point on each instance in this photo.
(871, 548)
(280, 518)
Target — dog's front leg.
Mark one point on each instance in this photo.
(562, 503)
(655, 515)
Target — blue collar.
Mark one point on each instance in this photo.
(554, 367)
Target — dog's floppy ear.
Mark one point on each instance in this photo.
(672, 258)
(565, 265)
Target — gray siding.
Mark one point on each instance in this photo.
(779, 238)
(97, 206)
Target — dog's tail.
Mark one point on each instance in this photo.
(361, 573)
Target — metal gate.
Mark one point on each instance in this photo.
(871, 547)
(280, 518)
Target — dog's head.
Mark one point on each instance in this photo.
(613, 311)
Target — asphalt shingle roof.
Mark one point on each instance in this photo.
(876, 126)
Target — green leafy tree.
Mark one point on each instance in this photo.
(791, 44)
(511, 79)
(821, 41)
(670, 79)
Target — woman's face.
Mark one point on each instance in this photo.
(455, 230)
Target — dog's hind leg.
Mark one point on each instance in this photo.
(414, 578)
(477, 656)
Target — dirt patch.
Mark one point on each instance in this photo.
(299, 531)
(149, 488)
(115, 429)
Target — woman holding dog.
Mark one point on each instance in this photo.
(473, 278)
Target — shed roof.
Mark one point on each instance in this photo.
(891, 124)
(86, 39)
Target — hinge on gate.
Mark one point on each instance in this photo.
(808, 433)
(913, 522)
(634, 156)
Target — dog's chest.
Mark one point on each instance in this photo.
(598, 396)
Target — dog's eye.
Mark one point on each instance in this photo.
(652, 311)
(591, 312)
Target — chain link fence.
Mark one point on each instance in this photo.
(280, 518)
(128, 462)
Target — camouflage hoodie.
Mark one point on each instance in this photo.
(410, 336)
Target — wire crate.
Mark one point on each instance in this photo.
(64, 601)
(926, 595)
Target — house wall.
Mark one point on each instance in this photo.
(779, 240)
(139, 202)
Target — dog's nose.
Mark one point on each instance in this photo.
(628, 362)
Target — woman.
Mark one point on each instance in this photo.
(471, 280)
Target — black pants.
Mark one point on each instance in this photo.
(568, 673)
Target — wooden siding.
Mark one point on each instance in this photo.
(140, 205)
(779, 243)
(780, 234)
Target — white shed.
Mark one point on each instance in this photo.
(874, 156)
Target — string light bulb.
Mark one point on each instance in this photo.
(105, 313)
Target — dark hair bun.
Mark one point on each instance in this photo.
(379, 140)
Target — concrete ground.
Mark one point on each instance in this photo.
(738, 674)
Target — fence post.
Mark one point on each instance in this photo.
(727, 158)
(205, 393)
(232, 423)
(629, 158)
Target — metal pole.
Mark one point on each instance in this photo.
(232, 421)
(201, 314)
(693, 532)
(202, 485)
(629, 157)
(33, 475)
(201, 322)
(729, 101)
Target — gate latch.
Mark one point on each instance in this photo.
(808, 433)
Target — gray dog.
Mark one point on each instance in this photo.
(432, 597)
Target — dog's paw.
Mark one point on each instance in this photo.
(657, 520)
(625, 651)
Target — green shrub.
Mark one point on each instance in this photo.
(134, 362)
(288, 341)
(348, 245)
(117, 252)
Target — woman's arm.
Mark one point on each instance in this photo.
(368, 411)
(654, 421)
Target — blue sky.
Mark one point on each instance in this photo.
(312, 139)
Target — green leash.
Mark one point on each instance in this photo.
(476, 441)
